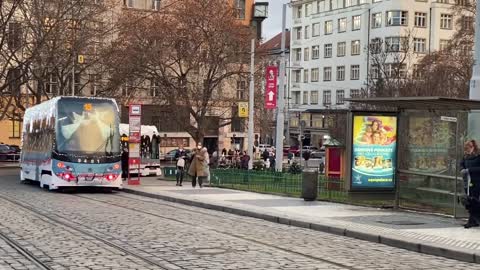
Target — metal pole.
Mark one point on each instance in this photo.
(251, 107)
(281, 100)
(73, 77)
(287, 136)
(456, 170)
(473, 117)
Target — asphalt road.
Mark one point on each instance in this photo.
(95, 230)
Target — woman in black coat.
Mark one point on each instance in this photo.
(471, 177)
(125, 163)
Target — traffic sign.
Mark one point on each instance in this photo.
(271, 88)
(243, 109)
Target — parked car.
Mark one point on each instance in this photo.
(317, 154)
(309, 148)
(263, 147)
(291, 149)
(7, 153)
(171, 155)
(15, 148)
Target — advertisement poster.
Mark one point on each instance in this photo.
(374, 152)
(429, 142)
(271, 88)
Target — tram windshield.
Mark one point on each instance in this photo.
(87, 127)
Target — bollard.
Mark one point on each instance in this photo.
(309, 184)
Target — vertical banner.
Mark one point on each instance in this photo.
(135, 131)
(374, 151)
(271, 88)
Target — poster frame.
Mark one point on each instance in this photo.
(351, 141)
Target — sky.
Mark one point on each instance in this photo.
(273, 24)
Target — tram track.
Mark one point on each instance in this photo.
(214, 230)
(25, 253)
(41, 214)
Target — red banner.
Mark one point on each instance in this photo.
(271, 88)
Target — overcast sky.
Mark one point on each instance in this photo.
(273, 24)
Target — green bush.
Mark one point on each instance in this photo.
(295, 168)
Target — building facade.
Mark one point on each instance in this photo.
(332, 41)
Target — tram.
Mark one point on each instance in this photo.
(72, 142)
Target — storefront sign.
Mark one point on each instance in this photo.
(271, 88)
(374, 149)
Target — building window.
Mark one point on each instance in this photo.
(298, 33)
(446, 21)
(376, 20)
(129, 3)
(315, 52)
(376, 45)
(396, 70)
(327, 74)
(417, 72)
(156, 5)
(314, 97)
(355, 72)
(298, 13)
(14, 35)
(316, 29)
(297, 76)
(419, 45)
(51, 85)
(296, 97)
(375, 72)
(307, 32)
(298, 54)
(397, 18)
(355, 47)
(13, 79)
(94, 84)
(340, 96)
(356, 22)
(341, 49)
(16, 126)
(315, 74)
(327, 97)
(328, 27)
(305, 97)
(306, 54)
(154, 87)
(308, 10)
(240, 7)
(420, 19)
(354, 93)
(341, 73)
(396, 44)
(444, 44)
(328, 50)
(305, 75)
(342, 25)
(467, 23)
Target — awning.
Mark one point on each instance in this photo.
(421, 103)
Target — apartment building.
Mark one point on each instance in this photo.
(331, 40)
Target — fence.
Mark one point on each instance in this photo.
(331, 189)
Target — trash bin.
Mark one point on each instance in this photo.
(309, 184)
(169, 172)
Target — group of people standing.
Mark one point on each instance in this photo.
(198, 168)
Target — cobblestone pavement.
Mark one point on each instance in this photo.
(177, 236)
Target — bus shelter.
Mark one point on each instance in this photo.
(410, 148)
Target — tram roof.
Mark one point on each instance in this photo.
(421, 103)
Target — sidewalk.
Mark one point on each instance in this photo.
(423, 233)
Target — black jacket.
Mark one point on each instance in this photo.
(472, 163)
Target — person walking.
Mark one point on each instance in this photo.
(198, 169)
(471, 177)
(180, 169)
(124, 163)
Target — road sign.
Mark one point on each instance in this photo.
(448, 119)
(271, 88)
(243, 109)
(135, 131)
(81, 59)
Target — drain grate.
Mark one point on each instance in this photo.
(402, 222)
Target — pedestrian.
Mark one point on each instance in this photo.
(471, 177)
(154, 146)
(265, 155)
(290, 157)
(224, 152)
(321, 166)
(244, 161)
(124, 163)
(180, 169)
(198, 169)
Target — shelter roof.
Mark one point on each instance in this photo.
(421, 103)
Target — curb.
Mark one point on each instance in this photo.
(458, 254)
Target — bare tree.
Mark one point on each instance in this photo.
(193, 59)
